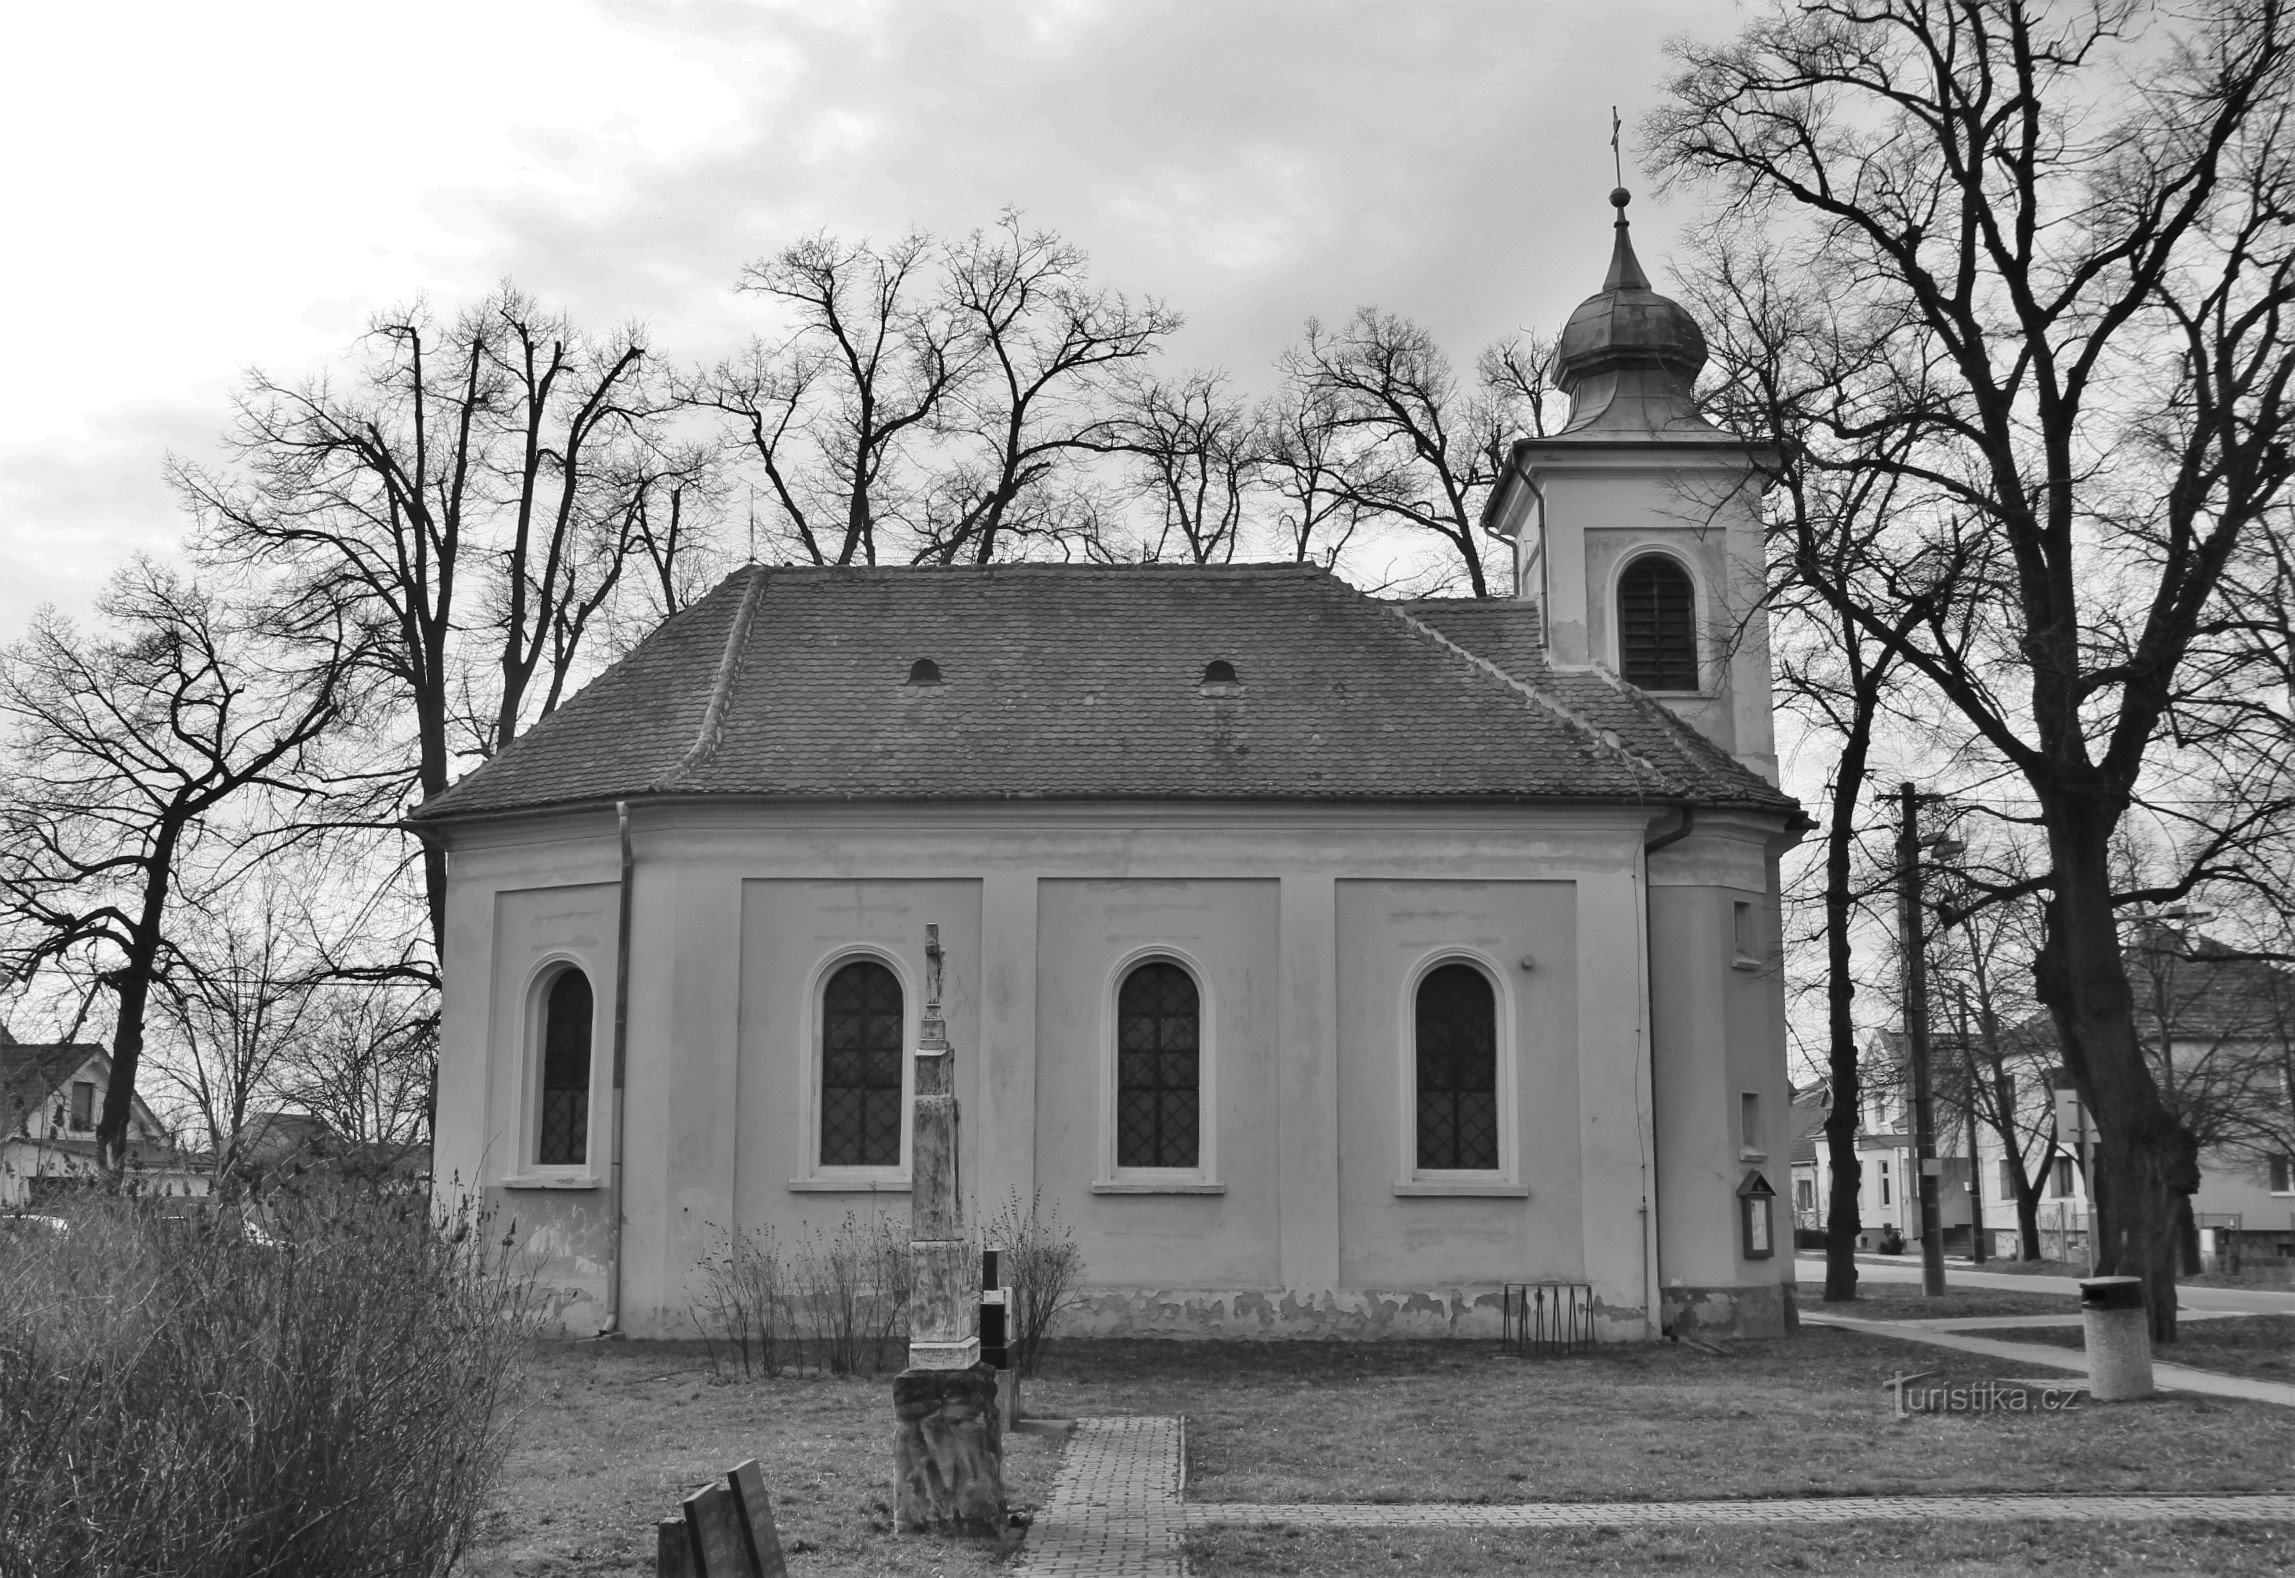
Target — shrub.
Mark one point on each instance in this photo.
(1041, 1269)
(183, 1397)
(851, 1291)
(743, 1311)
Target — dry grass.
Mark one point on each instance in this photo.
(2260, 1347)
(613, 1434)
(1797, 1416)
(1885, 1550)
(1905, 1301)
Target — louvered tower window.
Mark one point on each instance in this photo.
(861, 1030)
(1159, 1023)
(1457, 1070)
(564, 1128)
(1657, 625)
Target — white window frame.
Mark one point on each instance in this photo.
(533, 1031)
(812, 1173)
(1707, 675)
(1203, 1177)
(1506, 1178)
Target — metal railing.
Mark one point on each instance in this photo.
(1540, 1320)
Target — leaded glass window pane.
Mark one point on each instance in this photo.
(1159, 1102)
(565, 1116)
(1457, 1070)
(861, 1050)
(1657, 625)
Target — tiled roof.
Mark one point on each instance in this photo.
(1087, 682)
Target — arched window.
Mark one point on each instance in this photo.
(1457, 1051)
(563, 1127)
(861, 1050)
(1657, 625)
(1159, 1095)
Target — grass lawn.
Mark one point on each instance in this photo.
(613, 1434)
(1887, 1550)
(2258, 1346)
(1796, 1416)
(1905, 1301)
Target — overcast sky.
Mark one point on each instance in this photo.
(194, 190)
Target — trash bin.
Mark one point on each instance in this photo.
(2119, 1336)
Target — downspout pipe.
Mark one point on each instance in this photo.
(612, 1325)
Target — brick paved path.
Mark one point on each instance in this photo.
(1116, 1510)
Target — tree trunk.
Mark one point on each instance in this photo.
(2144, 1159)
(2027, 1221)
(131, 984)
(1841, 1213)
(2186, 1237)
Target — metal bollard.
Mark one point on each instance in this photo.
(2119, 1338)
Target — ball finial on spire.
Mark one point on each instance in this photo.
(1619, 197)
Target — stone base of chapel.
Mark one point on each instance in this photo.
(1766, 1309)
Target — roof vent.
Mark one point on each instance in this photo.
(1220, 672)
(924, 671)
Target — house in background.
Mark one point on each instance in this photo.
(51, 1096)
(1811, 1106)
(2217, 1028)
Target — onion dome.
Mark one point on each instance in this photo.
(1629, 357)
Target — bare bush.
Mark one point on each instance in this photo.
(200, 1399)
(1042, 1269)
(743, 1311)
(851, 1292)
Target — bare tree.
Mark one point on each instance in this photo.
(472, 492)
(127, 751)
(235, 1006)
(1191, 444)
(365, 1064)
(2076, 215)
(1050, 346)
(838, 414)
(1402, 440)
(1301, 456)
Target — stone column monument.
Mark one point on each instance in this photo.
(948, 1443)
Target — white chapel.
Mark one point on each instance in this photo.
(1329, 962)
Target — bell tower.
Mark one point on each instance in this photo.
(1637, 529)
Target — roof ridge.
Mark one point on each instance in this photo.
(1607, 739)
(728, 668)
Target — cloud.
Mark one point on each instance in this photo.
(214, 189)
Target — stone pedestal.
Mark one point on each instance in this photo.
(948, 1452)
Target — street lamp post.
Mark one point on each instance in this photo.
(1912, 945)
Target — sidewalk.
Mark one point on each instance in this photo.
(1116, 1509)
(1962, 1274)
(2170, 1377)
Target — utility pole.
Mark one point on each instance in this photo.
(1912, 944)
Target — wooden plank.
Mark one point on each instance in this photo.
(672, 1550)
(718, 1539)
(748, 1482)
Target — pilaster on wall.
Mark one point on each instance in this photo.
(1006, 1125)
(1307, 1084)
(1615, 1136)
(684, 1039)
